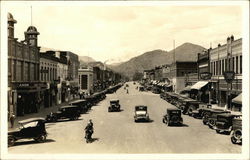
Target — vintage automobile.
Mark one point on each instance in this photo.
(141, 113)
(156, 90)
(173, 117)
(141, 88)
(82, 104)
(224, 122)
(199, 113)
(236, 134)
(210, 117)
(64, 112)
(187, 105)
(194, 106)
(114, 105)
(32, 128)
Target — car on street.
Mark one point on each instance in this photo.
(172, 117)
(32, 128)
(141, 113)
(64, 112)
(82, 104)
(187, 105)
(114, 105)
(224, 122)
(141, 88)
(210, 117)
(236, 135)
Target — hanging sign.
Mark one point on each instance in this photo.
(229, 76)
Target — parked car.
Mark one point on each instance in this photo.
(199, 113)
(82, 104)
(194, 106)
(64, 112)
(236, 136)
(210, 117)
(156, 90)
(224, 122)
(173, 117)
(141, 88)
(114, 105)
(141, 113)
(32, 128)
(186, 105)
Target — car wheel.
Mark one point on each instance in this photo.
(233, 140)
(163, 120)
(11, 141)
(167, 122)
(41, 138)
(218, 131)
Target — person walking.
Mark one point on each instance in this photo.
(12, 119)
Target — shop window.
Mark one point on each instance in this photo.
(240, 64)
(237, 63)
(233, 64)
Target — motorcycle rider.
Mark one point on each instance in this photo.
(89, 129)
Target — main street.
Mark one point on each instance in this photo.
(116, 132)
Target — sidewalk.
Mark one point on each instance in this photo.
(43, 112)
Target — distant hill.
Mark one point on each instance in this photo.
(86, 59)
(148, 60)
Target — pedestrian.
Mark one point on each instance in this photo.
(12, 119)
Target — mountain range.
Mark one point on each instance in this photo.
(151, 59)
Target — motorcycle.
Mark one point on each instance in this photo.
(88, 135)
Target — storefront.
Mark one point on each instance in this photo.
(26, 97)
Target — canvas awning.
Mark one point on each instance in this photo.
(238, 99)
(199, 85)
(187, 88)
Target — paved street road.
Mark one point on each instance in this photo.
(116, 132)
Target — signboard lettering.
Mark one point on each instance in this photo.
(205, 75)
(229, 76)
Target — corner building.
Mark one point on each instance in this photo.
(24, 86)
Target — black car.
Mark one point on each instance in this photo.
(114, 105)
(173, 117)
(82, 104)
(224, 122)
(32, 128)
(187, 105)
(141, 113)
(236, 136)
(64, 112)
(210, 117)
(141, 88)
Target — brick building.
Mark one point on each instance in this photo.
(24, 86)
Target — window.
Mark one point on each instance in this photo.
(223, 67)
(219, 68)
(211, 67)
(32, 72)
(41, 74)
(84, 81)
(240, 64)
(26, 71)
(233, 64)
(18, 71)
(237, 63)
(226, 65)
(215, 68)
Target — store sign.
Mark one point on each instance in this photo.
(205, 75)
(229, 76)
(23, 85)
(44, 71)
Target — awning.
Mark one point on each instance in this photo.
(187, 88)
(199, 85)
(238, 99)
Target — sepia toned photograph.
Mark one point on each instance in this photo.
(125, 79)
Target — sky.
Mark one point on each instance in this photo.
(118, 33)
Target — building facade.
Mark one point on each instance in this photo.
(85, 80)
(227, 57)
(24, 86)
(48, 74)
(178, 72)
